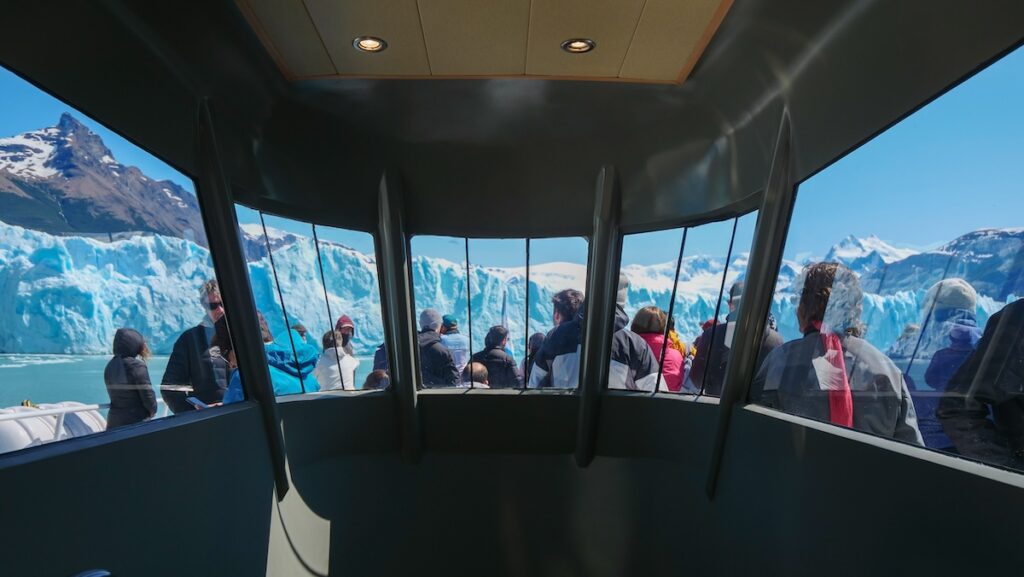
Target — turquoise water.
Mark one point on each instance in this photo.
(55, 378)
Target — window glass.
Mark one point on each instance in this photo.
(647, 276)
(898, 298)
(702, 311)
(498, 307)
(440, 290)
(557, 281)
(109, 285)
(349, 269)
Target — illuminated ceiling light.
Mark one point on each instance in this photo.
(369, 44)
(578, 45)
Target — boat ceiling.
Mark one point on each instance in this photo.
(511, 156)
(635, 40)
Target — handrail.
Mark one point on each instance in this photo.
(59, 411)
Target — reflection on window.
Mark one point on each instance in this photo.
(110, 291)
(899, 299)
(682, 287)
(317, 293)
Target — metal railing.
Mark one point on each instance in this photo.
(60, 412)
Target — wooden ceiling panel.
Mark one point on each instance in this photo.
(609, 23)
(636, 40)
(476, 37)
(671, 37)
(287, 31)
(339, 22)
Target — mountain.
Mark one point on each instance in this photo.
(64, 180)
(863, 255)
(991, 260)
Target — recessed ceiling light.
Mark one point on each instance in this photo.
(578, 45)
(369, 44)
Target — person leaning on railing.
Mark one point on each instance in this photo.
(191, 366)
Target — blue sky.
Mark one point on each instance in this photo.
(952, 167)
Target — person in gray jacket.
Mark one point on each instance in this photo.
(832, 374)
(132, 399)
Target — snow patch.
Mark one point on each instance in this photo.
(27, 155)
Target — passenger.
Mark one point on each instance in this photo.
(380, 358)
(477, 374)
(566, 306)
(131, 394)
(832, 374)
(708, 368)
(952, 312)
(501, 367)
(990, 382)
(532, 347)
(190, 365)
(348, 330)
(437, 366)
(632, 364)
(674, 342)
(456, 342)
(290, 363)
(649, 323)
(336, 369)
(376, 381)
(301, 329)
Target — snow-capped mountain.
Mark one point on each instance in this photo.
(863, 255)
(64, 180)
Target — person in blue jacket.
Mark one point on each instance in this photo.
(291, 370)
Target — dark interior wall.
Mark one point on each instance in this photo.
(191, 495)
(792, 500)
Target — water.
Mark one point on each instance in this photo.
(55, 378)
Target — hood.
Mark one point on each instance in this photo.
(653, 339)
(427, 338)
(127, 343)
(621, 318)
(281, 357)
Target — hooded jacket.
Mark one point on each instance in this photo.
(557, 364)
(991, 380)
(327, 370)
(131, 394)
(501, 368)
(672, 369)
(291, 372)
(191, 365)
(437, 366)
(789, 381)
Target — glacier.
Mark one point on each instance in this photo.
(68, 294)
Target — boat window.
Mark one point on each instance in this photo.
(497, 287)
(110, 289)
(680, 287)
(317, 293)
(495, 281)
(650, 263)
(441, 295)
(557, 282)
(898, 299)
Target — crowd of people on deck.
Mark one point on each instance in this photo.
(202, 369)
(972, 402)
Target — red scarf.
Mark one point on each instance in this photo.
(840, 399)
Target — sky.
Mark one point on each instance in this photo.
(952, 167)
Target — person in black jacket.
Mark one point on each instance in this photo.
(191, 365)
(712, 358)
(982, 411)
(437, 366)
(501, 367)
(131, 394)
